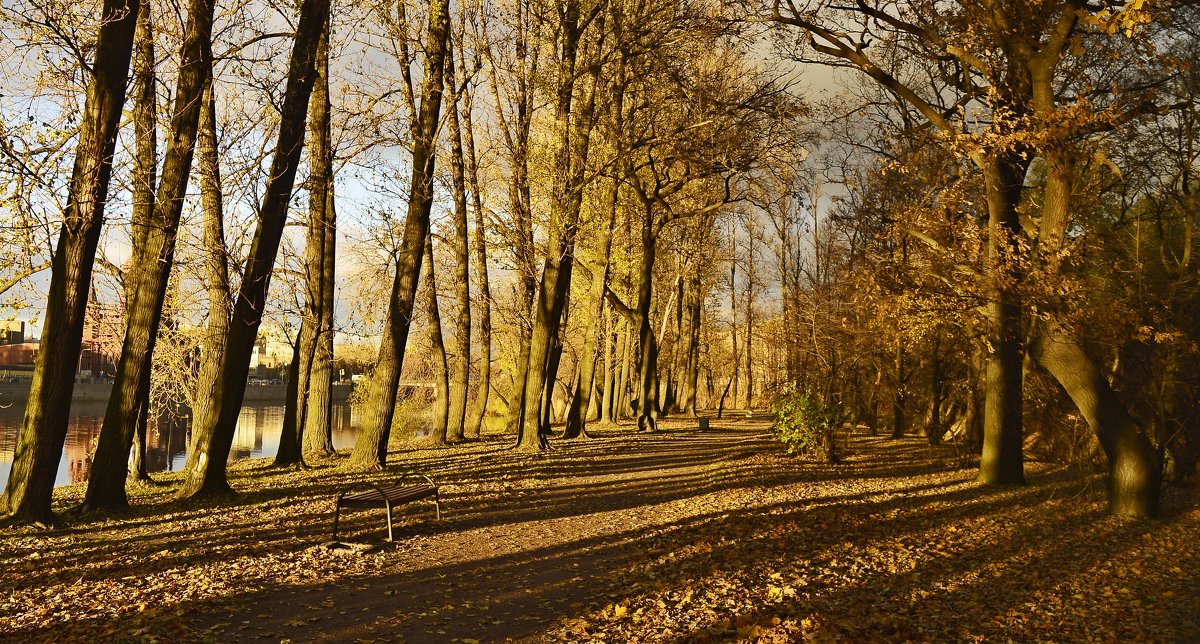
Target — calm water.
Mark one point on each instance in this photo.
(257, 434)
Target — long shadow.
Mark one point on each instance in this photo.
(471, 510)
(548, 568)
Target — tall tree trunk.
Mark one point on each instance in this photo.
(647, 344)
(576, 415)
(899, 403)
(571, 141)
(608, 398)
(748, 345)
(934, 430)
(623, 407)
(145, 179)
(441, 402)
(370, 450)
(733, 379)
(30, 486)
(455, 424)
(692, 377)
(314, 391)
(214, 428)
(131, 390)
(216, 265)
(483, 389)
(1002, 461)
(521, 204)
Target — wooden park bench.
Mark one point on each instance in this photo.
(390, 496)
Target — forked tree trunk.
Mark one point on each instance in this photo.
(577, 414)
(370, 450)
(214, 428)
(570, 144)
(30, 486)
(131, 390)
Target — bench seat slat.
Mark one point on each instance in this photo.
(397, 494)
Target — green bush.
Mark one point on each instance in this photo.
(808, 424)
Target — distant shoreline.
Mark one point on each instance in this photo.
(98, 391)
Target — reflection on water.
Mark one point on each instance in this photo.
(257, 434)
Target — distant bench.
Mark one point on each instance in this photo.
(390, 496)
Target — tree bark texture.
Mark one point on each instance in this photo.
(570, 145)
(216, 262)
(440, 374)
(1002, 461)
(1134, 471)
(484, 308)
(293, 415)
(577, 414)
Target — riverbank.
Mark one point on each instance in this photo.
(98, 391)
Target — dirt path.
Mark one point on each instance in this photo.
(514, 563)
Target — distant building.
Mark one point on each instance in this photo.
(18, 356)
(12, 332)
(103, 334)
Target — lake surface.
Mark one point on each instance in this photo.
(257, 435)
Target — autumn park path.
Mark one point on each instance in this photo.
(680, 535)
(527, 541)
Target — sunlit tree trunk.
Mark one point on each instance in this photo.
(1134, 472)
(576, 415)
(570, 145)
(314, 391)
(30, 486)
(216, 265)
(484, 307)
(213, 429)
(145, 179)
(370, 450)
(460, 375)
(441, 401)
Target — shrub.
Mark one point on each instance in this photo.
(808, 424)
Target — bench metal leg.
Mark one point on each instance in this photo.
(336, 513)
(389, 511)
(437, 506)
